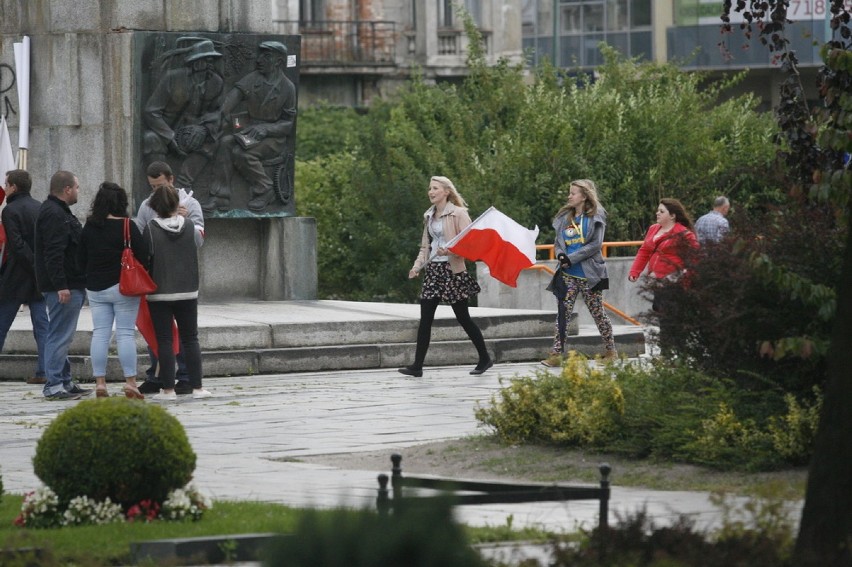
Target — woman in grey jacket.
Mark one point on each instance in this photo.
(580, 225)
(173, 264)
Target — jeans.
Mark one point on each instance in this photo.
(38, 315)
(185, 314)
(61, 326)
(109, 305)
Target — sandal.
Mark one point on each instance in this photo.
(133, 393)
(101, 393)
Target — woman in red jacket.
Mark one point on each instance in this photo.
(666, 243)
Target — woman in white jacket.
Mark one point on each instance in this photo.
(446, 278)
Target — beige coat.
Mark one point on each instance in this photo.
(455, 220)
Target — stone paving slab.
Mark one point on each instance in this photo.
(250, 435)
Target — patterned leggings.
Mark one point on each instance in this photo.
(594, 302)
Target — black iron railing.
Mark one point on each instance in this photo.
(331, 42)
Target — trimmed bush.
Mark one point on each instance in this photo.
(115, 448)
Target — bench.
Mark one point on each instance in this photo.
(464, 492)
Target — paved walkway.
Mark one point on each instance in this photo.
(250, 435)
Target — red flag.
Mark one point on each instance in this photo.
(146, 327)
(504, 245)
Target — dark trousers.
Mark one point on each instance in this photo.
(185, 314)
(424, 331)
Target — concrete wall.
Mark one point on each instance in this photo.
(82, 115)
(531, 292)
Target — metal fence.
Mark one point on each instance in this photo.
(333, 42)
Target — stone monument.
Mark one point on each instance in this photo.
(221, 110)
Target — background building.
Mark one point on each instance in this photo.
(686, 32)
(354, 50)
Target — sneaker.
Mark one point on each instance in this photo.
(62, 396)
(200, 394)
(164, 397)
(76, 389)
(149, 387)
(36, 380)
(182, 388)
(553, 361)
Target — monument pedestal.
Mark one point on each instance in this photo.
(262, 259)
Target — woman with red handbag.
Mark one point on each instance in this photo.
(101, 246)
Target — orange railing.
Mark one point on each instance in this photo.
(604, 248)
(605, 251)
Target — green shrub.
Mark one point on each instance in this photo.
(665, 403)
(725, 439)
(664, 409)
(419, 536)
(125, 450)
(636, 542)
(793, 433)
(579, 406)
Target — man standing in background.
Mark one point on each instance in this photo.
(712, 227)
(61, 281)
(160, 173)
(17, 275)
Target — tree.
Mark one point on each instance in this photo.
(641, 131)
(817, 145)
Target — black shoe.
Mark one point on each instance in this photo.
(410, 371)
(182, 388)
(149, 387)
(63, 395)
(482, 367)
(76, 389)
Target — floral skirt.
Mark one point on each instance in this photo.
(441, 283)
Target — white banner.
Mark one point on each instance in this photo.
(7, 156)
(22, 69)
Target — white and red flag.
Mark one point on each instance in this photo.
(505, 246)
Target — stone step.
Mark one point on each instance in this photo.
(280, 337)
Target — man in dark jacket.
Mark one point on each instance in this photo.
(61, 280)
(17, 276)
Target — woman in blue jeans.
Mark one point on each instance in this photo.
(101, 246)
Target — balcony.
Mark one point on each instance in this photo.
(344, 43)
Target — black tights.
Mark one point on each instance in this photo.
(424, 331)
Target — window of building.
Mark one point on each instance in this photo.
(311, 11)
(583, 24)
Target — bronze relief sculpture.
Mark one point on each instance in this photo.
(221, 110)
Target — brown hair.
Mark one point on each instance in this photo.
(164, 200)
(21, 179)
(676, 209)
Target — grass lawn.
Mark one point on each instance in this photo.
(110, 544)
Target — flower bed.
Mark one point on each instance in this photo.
(41, 509)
